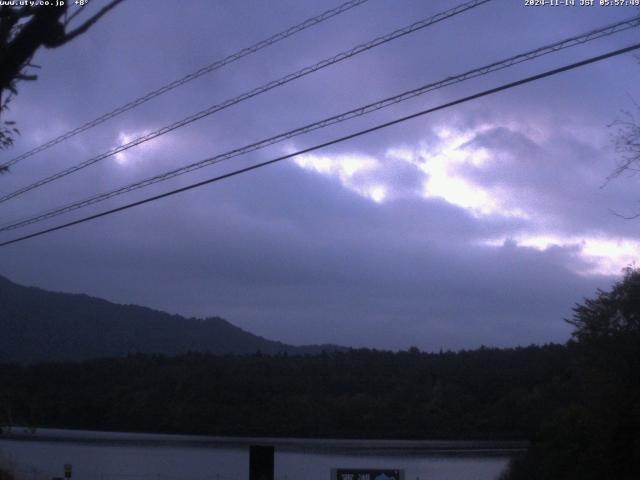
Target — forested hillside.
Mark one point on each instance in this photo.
(38, 326)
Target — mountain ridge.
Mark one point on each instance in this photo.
(38, 325)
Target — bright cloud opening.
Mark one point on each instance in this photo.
(606, 256)
(134, 153)
(347, 168)
(343, 166)
(377, 193)
(444, 165)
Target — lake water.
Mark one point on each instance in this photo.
(123, 456)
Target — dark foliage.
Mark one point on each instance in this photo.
(5, 474)
(597, 436)
(486, 393)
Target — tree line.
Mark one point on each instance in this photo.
(484, 393)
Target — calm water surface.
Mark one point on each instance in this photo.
(117, 456)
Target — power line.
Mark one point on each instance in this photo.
(310, 22)
(520, 58)
(252, 93)
(484, 93)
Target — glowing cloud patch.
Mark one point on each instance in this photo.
(444, 165)
(349, 169)
(343, 166)
(121, 157)
(605, 255)
(377, 193)
(134, 153)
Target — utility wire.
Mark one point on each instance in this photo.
(310, 22)
(252, 93)
(459, 101)
(508, 62)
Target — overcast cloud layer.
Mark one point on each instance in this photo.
(480, 224)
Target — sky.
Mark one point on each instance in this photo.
(480, 224)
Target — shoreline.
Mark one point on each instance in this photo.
(439, 447)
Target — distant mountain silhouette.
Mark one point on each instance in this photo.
(39, 326)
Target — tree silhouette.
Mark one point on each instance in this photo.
(627, 144)
(24, 30)
(597, 436)
(610, 314)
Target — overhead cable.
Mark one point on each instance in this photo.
(357, 112)
(310, 22)
(484, 93)
(252, 93)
